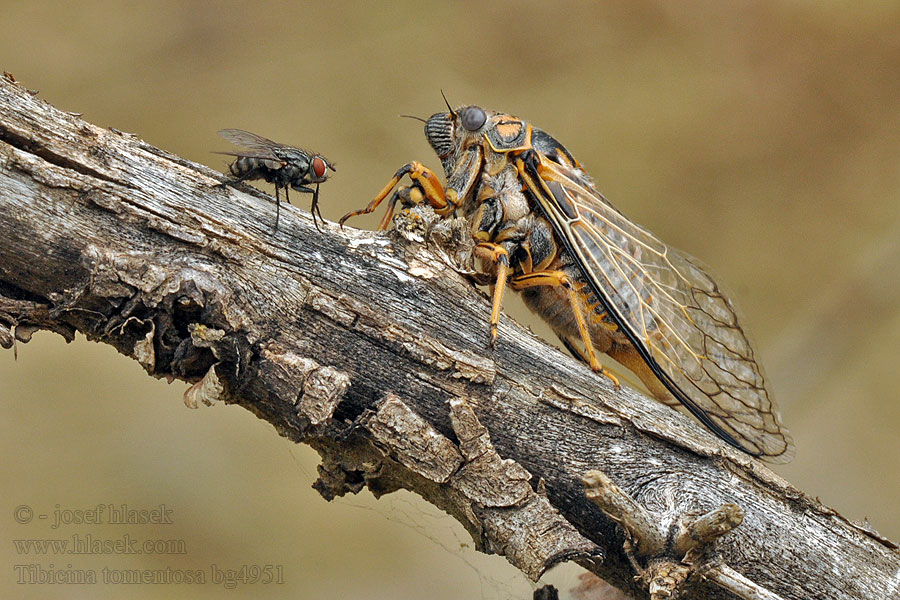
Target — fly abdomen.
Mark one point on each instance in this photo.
(244, 165)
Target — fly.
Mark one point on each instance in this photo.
(279, 164)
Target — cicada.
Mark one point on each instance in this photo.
(602, 282)
(285, 166)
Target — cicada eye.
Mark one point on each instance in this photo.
(473, 118)
(319, 167)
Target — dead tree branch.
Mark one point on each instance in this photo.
(372, 350)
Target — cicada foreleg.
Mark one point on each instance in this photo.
(560, 279)
(407, 196)
(425, 182)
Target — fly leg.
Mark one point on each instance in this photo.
(278, 204)
(260, 174)
(287, 199)
(314, 208)
(560, 279)
(315, 201)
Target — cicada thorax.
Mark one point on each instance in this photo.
(502, 213)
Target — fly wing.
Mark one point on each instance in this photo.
(672, 310)
(262, 147)
(265, 148)
(267, 156)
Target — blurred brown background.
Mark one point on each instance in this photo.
(761, 138)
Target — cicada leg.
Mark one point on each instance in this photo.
(557, 279)
(498, 255)
(407, 196)
(423, 179)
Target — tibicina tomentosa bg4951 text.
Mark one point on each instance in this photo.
(603, 283)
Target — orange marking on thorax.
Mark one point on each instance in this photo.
(509, 131)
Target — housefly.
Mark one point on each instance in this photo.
(282, 165)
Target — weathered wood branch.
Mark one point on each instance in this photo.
(668, 560)
(374, 351)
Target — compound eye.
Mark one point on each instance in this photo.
(319, 167)
(473, 118)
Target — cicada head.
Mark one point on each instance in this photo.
(445, 129)
(439, 131)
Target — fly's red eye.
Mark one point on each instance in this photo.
(318, 166)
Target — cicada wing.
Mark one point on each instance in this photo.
(672, 310)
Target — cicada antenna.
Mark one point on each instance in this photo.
(452, 112)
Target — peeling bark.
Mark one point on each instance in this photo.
(373, 350)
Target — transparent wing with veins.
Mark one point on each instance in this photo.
(677, 316)
(264, 148)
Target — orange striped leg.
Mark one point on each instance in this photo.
(496, 254)
(555, 279)
(423, 178)
(407, 196)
